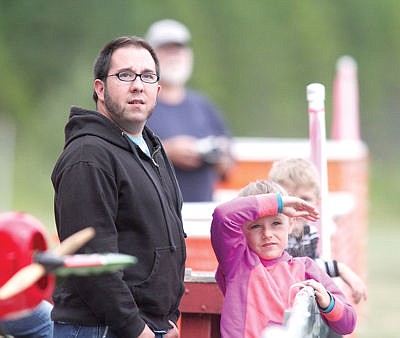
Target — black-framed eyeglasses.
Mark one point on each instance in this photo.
(129, 76)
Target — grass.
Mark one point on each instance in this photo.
(381, 319)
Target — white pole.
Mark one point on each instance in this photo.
(317, 135)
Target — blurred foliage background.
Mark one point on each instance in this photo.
(253, 58)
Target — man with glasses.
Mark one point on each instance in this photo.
(193, 131)
(114, 175)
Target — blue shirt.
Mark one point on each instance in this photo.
(195, 116)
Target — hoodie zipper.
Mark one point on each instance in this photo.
(152, 157)
(169, 230)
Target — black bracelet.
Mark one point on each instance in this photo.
(331, 268)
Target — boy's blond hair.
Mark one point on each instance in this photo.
(292, 173)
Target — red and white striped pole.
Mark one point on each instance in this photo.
(317, 135)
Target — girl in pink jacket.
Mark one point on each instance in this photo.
(255, 273)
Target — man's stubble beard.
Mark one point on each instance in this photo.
(113, 108)
(116, 111)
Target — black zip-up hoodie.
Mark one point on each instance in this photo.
(102, 179)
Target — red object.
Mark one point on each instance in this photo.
(201, 307)
(200, 254)
(21, 235)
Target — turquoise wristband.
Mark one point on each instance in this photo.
(330, 306)
(280, 203)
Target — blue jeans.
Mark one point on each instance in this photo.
(65, 330)
(36, 324)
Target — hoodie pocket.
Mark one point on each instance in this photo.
(161, 291)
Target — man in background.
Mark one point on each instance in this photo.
(192, 130)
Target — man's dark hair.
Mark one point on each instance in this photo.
(102, 63)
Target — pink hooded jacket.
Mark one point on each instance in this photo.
(257, 291)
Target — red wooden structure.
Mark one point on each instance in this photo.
(201, 306)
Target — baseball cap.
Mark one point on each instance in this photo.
(167, 31)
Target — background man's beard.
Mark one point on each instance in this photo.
(176, 75)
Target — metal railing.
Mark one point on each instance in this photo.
(303, 320)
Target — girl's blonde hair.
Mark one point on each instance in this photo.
(262, 187)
